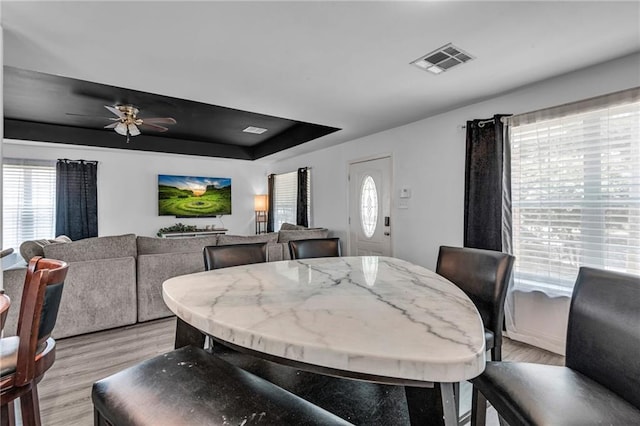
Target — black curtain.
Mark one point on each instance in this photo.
(487, 193)
(271, 180)
(302, 207)
(76, 199)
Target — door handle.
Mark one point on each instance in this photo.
(387, 233)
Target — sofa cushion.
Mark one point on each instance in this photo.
(293, 235)
(31, 248)
(152, 245)
(269, 238)
(96, 248)
(153, 270)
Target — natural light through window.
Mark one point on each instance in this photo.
(28, 211)
(576, 195)
(368, 207)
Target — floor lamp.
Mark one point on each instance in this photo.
(260, 206)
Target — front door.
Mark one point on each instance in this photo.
(370, 207)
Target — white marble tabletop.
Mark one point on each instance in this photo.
(372, 315)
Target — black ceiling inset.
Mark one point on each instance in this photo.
(50, 108)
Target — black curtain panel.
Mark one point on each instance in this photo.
(487, 194)
(77, 199)
(302, 206)
(271, 180)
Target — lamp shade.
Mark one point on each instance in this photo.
(260, 203)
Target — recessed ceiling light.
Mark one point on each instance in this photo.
(442, 59)
(255, 130)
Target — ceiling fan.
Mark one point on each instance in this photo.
(127, 121)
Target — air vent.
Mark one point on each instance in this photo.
(255, 130)
(443, 59)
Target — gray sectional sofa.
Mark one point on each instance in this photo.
(115, 281)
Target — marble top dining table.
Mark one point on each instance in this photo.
(369, 316)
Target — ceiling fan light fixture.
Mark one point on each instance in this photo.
(121, 129)
(133, 129)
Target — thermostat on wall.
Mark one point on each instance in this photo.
(405, 193)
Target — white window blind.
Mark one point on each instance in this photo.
(285, 196)
(28, 210)
(576, 191)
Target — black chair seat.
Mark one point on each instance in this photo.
(189, 386)
(536, 394)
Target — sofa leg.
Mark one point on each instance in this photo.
(187, 334)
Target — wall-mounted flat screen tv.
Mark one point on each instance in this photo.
(193, 196)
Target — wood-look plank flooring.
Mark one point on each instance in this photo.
(65, 391)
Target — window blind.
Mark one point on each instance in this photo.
(576, 192)
(28, 210)
(285, 198)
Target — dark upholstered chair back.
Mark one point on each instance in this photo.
(603, 336)
(484, 276)
(216, 257)
(38, 311)
(319, 247)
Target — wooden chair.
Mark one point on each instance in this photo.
(26, 357)
(600, 382)
(319, 247)
(216, 257)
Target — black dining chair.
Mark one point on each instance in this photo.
(484, 277)
(318, 247)
(600, 383)
(216, 257)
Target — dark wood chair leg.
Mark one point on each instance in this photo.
(30, 407)
(187, 334)
(425, 406)
(478, 408)
(7, 415)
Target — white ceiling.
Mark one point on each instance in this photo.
(342, 64)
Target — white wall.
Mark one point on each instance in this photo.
(128, 185)
(429, 158)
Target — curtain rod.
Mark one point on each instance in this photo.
(481, 123)
(66, 160)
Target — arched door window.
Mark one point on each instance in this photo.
(368, 206)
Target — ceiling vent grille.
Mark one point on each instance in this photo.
(442, 59)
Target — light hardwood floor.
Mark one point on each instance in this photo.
(65, 391)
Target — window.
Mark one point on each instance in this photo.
(285, 196)
(576, 191)
(28, 210)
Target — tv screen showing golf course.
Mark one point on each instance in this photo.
(191, 196)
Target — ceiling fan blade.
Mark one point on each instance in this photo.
(116, 111)
(155, 127)
(159, 120)
(112, 125)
